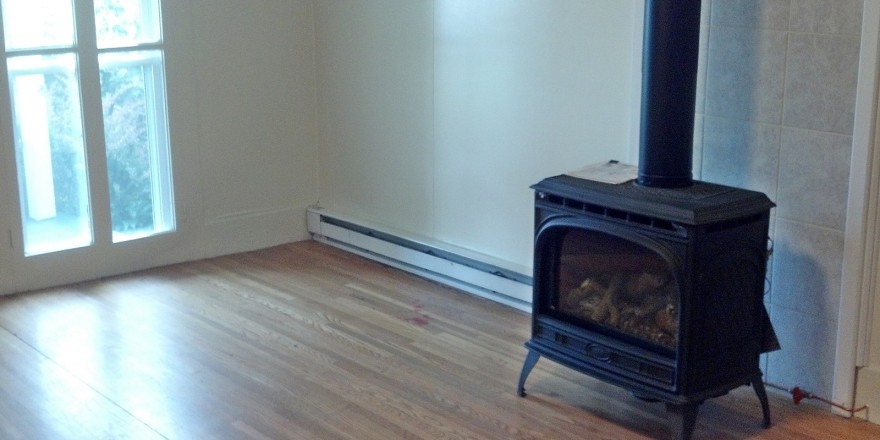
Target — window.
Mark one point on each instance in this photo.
(64, 56)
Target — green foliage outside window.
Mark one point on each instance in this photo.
(127, 139)
(128, 149)
(65, 140)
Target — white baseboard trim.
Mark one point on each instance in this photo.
(444, 264)
(868, 393)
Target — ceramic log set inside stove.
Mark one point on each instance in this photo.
(655, 285)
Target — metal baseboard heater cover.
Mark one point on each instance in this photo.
(474, 273)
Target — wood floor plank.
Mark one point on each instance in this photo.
(304, 341)
(40, 399)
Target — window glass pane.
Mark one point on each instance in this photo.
(122, 23)
(50, 153)
(30, 24)
(135, 126)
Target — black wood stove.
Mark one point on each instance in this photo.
(657, 291)
(655, 285)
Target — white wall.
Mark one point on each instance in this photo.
(247, 113)
(375, 78)
(523, 91)
(437, 116)
(242, 97)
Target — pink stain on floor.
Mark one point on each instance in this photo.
(420, 319)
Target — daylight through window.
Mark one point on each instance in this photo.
(61, 55)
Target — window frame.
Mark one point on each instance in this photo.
(87, 55)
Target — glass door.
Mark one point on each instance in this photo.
(616, 284)
(88, 105)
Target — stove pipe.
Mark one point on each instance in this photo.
(669, 87)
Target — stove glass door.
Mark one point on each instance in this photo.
(618, 284)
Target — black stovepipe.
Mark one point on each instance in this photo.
(669, 78)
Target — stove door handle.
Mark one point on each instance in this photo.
(598, 352)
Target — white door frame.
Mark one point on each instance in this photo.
(862, 235)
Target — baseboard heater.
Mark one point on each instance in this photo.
(447, 265)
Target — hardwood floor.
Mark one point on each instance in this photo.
(307, 342)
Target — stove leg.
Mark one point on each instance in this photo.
(687, 419)
(758, 385)
(530, 362)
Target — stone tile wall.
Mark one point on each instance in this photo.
(775, 113)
